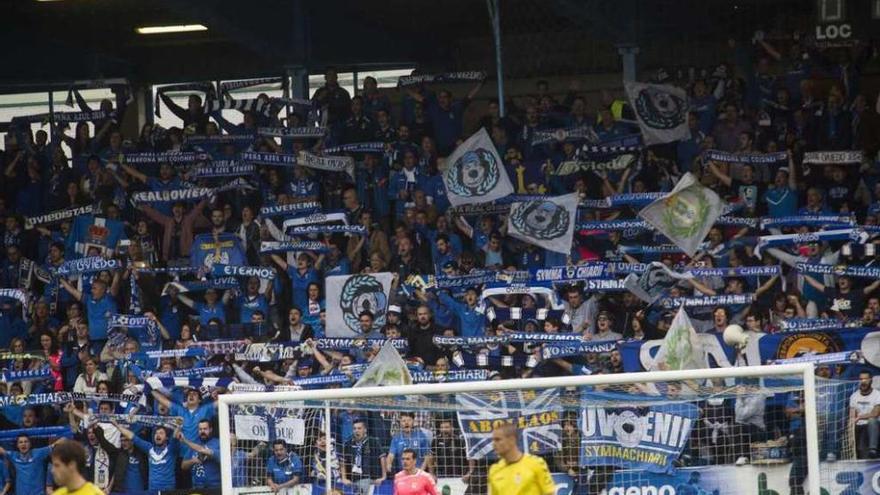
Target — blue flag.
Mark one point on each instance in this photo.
(91, 235)
(225, 249)
(650, 437)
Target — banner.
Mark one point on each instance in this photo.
(91, 264)
(548, 224)
(475, 172)
(171, 157)
(57, 216)
(293, 208)
(445, 77)
(450, 376)
(225, 249)
(565, 274)
(328, 229)
(853, 235)
(746, 158)
(222, 168)
(564, 134)
(763, 348)
(270, 424)
(94, 233)
(314, 218)
(261, 272)
(268, 158)
(833, 157)
(170, 422)
(43, 373)
(661, 111)
(561, 350)
(813, 220)
(386, 369)
(797, 324)
(349, 295)
(612, 164)
(276, 247)
(614, 225)
(871, 272)
(649, 437)
(373, 147)
(293, 132)
(537, 416)
(173, 196)
(707, 301)
(327, 163)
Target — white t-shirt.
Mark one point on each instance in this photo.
(863, 404)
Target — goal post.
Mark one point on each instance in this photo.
(796, 378)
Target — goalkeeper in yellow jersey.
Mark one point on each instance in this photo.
(517, 473)
(68, 462)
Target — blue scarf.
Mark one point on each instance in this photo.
(445, 77)
(296, 208)
(58, 216)
(372, 147)
(270, 247)
(749, 158)
(91, 264)
(719, 300)
(872, 272)
(261, 272)
(834, 221)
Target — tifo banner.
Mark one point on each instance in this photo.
(763, 348)
(267, 424)
(537, 416)
(686, 214)
(650, 437)
(547, 223)
(225, 249)
(661, 111)
(350, 295)
(475, 172)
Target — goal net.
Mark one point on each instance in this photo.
(751, 430)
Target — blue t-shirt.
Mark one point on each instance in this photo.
(284, 470)
(134, 480)
(191, 420)
(156, 184)
(300, 284)
(30, 471)
(248, 305)
(416, 440)
(239, 471)
(162, 464)
(207, 473)
(208, 313)
(99, 311)
(781, 202)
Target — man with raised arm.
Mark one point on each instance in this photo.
(161, 456)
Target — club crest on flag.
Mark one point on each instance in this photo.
(540, 219)
(362, 293)
(475, 172)
(661, 111)
(686, 214)
(351, 296)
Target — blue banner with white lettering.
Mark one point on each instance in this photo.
(650, 437)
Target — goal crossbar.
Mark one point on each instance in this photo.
(804, 370)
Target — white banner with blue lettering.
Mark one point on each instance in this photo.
(649, 436)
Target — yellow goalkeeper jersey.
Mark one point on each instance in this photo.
(87, 489)
(527, 476)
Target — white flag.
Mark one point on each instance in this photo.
(686, 214)
(350, 295)
(681, 348)
(475, 172)
(653, 282)
(548, 223)
(661, 111)
(386, 369)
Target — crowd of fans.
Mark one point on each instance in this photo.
(796, 101)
